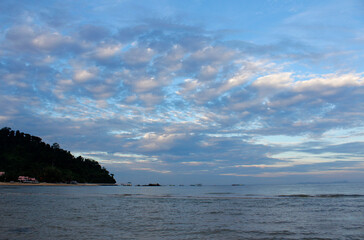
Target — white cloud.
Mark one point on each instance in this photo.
(217, 54)
(105, 52)
(277, 165)
(208, 71)
(49, 41)
(276, 80)
(138, 55)
(155, 142)
(151, 170)
(16, 79)
(129, 155)
(169, 87)
(32, 38)
(330, 81)
(65, 82)
(4, 118)
(285, 81)
(203, 91)
(189, 85)
(295, 173)
(145, 85)
(150, 99)
(197, 163)
(83, 75)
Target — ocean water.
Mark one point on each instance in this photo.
(303, 211)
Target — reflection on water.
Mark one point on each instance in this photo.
(208, 212)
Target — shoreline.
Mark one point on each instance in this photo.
(54, 184)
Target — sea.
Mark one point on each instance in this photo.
(294, 211)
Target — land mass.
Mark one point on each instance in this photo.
(22, 154)
(55, 184)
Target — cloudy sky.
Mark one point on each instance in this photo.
(204, 91)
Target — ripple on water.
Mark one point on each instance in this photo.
(321, 196)
(21, 230)
(220, 193)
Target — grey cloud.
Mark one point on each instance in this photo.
(31, 39)
(56, 16)
(354, 148)
(296, 111)
(20, 37)
(177, 92)
(162, 34)
(282, 49)
(94, 33)
(131, 34)
(138, 56)
(215, 85)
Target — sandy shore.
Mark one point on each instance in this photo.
(53, 184)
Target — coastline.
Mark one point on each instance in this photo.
(53, 184)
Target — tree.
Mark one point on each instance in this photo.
(25, 155)
(55, 146)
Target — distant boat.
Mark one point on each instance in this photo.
(237, 184)
(153, 185)
(126, 184)
(149, 185)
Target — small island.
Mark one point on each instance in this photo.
(27, 159)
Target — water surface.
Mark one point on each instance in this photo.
(303, 211)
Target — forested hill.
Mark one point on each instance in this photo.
(25, 155)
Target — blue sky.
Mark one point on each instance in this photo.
(212, 92)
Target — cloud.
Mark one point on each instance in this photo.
(150, 99)
(276, 80)
(355, 148)
(151, 170)
(105, 52)
(15, 79)
(196, 163)
(284, 174)
(49, 41)
(94, 32)
(164, 95)
(32, 39)
(83, 75)
(157, 142)
(145, 85)
(330, 81)
(137, 56)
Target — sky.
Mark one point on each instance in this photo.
(184, 92)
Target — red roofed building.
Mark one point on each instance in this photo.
(26, 179)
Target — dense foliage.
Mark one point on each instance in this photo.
(23, 154)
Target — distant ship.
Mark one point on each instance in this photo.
(153, 185)
(149, 185)
(126, 184)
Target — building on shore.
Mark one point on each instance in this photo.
(26, 179)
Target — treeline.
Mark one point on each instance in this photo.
(22, 154)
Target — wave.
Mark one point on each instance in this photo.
(229, 195)
(322, 195)
(219, 193)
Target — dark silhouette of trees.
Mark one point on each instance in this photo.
(27, 155)
(55, 146)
